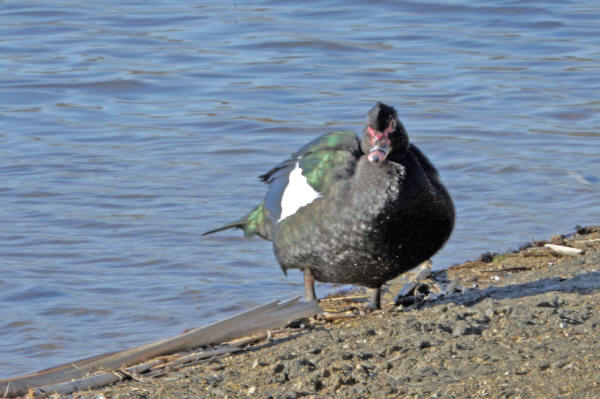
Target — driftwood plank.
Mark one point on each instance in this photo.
(107, 378)
(83, 384)
(270, 315)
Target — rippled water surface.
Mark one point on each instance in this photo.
(129, 128)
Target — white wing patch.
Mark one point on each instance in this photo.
(297, 193)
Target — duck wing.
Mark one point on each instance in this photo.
(310, 173)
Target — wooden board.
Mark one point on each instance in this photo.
(268, 316)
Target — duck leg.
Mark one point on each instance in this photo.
(309, 285)
(375, 299)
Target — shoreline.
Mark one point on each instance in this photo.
(524, 326)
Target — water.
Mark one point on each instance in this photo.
(128, 128)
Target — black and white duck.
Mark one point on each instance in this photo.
(353, 211)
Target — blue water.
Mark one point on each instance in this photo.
(128, 128)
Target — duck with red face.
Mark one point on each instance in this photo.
(354, 211)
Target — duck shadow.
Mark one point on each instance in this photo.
(584, 283)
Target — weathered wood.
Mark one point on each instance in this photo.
(271, 315)
(107, 378)
(95, 381)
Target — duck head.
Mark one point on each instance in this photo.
(383, 133)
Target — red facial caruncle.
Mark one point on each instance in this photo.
(380, 142)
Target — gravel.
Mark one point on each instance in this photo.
(526, 326)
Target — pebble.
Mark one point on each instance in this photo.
(460, 328)
(424, 345)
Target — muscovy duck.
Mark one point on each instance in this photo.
(353, 211)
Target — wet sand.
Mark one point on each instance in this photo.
(525, 326)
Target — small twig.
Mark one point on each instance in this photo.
(350, 298)
(507, 270)
(395, 358)
(131, 375)
(254, 338)
(194, 358)
(146, 366)
(398, 380)
(332, 316)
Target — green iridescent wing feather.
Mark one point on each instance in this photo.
(323, 161)
(327, 157)
(258, 222)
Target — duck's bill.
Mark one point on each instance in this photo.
(377, 154)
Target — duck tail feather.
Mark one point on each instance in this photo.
(256, 222)
(238, 224)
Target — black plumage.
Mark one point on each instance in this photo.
(379, 207)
